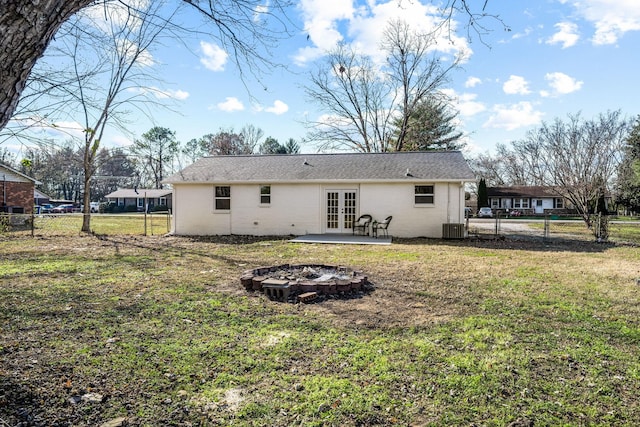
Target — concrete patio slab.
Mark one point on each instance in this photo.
(341, 239)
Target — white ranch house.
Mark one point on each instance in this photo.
(265, 195)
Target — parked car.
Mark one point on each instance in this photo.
(62, 209)
(46, 208)
(485, 213)
(94, 207)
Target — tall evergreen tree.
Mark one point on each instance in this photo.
(483, 196)
(272, 146)
(628, 184)
(431, 126)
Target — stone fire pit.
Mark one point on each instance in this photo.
(304, 283)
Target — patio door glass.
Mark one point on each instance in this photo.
(341, 210)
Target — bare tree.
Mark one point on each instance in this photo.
(251, 136)
(490, 167)
(353, 96)
(577, 158)
(368, 106)
(415, 74)
(108, 56)
(225, 143)
(245, 28)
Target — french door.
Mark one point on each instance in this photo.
(341, 210)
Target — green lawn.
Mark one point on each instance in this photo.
(454, 333)
(112, 224)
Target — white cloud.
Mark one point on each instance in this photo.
(278, 108)
(561, 84)
(516, 85)
(472, 82)
(523, 34)
(321, 19)
(214, 58)
(231, 104)
(120, 141)
(112, 15)
(567, 34)
(180, 95)
(514, 116)
(328, 22)
(468, 106)
(465, 103)
(611, 18)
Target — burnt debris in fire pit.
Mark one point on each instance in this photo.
(305, 283)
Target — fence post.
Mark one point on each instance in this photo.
(546, 226)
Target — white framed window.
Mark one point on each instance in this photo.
(521, 203)
(265, 194)
(424, 195)
(495, 203)
(120, 201)
(163, 201)
(140, 202)
(559, 203)
(222, 198)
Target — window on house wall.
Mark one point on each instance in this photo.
(521, 203)
(120, 201)
(559, 203)
(495, 203)
(140, 202)
(163, 201)
(265, 194)
(424, 195)
(223, 198)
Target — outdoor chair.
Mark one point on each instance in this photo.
(381, 227)
(361, 225)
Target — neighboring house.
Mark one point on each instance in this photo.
(39, 198)
(320, 193)
(134, 199)
(530, 200)
(16, 191)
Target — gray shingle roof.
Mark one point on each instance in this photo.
(130, 193)
(427, 166)
(521, 191)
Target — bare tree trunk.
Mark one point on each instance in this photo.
(26, 28)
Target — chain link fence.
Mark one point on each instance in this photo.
(156, 223)
(552, 228)
(544, 229)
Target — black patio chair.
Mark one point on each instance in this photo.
(361, 225)
(381, 226)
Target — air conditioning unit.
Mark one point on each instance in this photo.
(452, 231)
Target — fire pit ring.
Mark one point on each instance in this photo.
(304, 282)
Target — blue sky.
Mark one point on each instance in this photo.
(560, 57)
